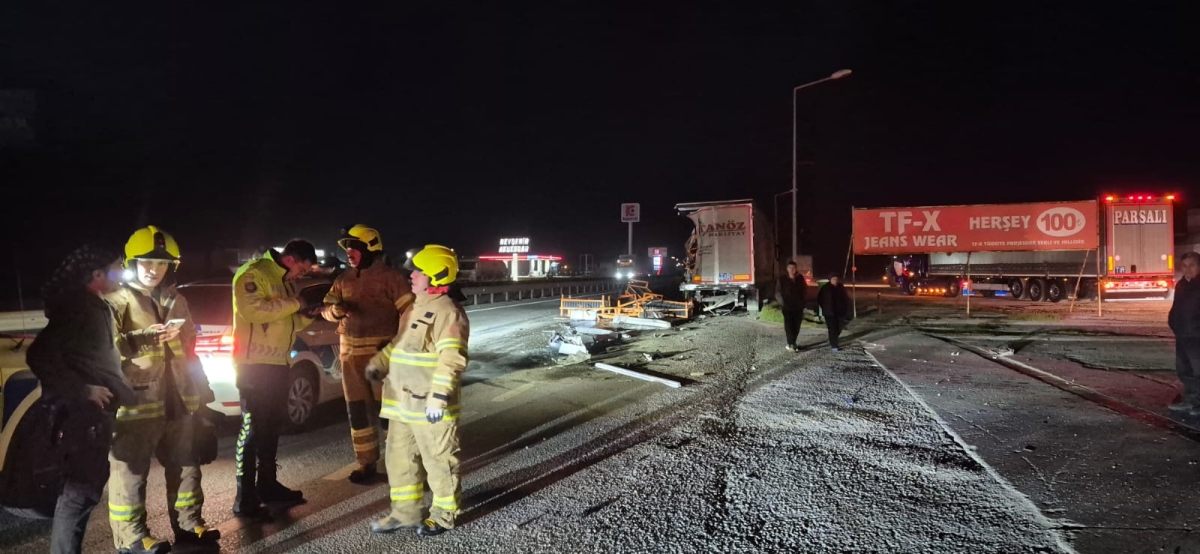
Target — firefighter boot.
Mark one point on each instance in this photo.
(388, 525)
(430, 528)
(146, 545)
(200, 536)
(364, 474)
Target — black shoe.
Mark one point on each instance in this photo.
(430, 528)
(364, 474)
(252, 511)
(198, 536)
(147, 545)
(272, 492)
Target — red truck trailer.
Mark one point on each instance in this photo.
(1044, 251)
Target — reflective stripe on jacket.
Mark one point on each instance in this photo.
(144, 361)
(427, 357)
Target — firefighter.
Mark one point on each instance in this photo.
(366, 302)
(421, 369)
(268, 311)
(160, 363)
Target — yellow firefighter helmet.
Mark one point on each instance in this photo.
(151, 243)
(361, 233)
(436, 261)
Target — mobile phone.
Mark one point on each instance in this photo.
(175, 323)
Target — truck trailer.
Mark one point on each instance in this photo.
(1136, 260)
(730, 255)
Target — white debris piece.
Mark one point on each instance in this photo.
(641, 322)
(636, 375)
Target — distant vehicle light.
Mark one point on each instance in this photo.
(1108, 199)
(1170, 197)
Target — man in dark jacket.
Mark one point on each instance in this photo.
(791, 292)
(1184, 320)
(835, 307)
(76, 361)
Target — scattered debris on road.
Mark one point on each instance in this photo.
(636, 375)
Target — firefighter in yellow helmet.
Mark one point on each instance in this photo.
(160, 363)
(421, 369)
(366, 302)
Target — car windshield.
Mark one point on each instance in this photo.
(210, 304)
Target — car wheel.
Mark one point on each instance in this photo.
(302, 396)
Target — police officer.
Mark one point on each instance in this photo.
(421, 369)
(366, 302)
(160, 363)
(267, 313)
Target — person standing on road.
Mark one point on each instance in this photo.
(268, 311)
(1184, 320)
(791, 292)
(835, 307)
(366, 302)
(160, 363)
(421, 369)
(76, 362)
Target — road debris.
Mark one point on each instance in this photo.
(636, 375)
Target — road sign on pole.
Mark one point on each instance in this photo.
(631, 213)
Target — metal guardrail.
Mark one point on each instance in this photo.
(508, 292)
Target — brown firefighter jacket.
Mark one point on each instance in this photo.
(375, 296)
(145, 362)
(426, 359)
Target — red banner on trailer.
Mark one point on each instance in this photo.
(978, 228)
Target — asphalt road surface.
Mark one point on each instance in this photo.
(906, 441)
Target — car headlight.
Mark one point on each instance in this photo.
(219, 369)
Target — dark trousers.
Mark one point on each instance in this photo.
(791, 324)
(71, 514)
(835, 325)
(264, 412)
(87, 430)
(1187, 367)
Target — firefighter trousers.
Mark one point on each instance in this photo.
(420, 451)
(362, 404)
(134, 442)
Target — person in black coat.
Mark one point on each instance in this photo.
(835, 306)
(76, 361)
(1184, 320)
(791, 292)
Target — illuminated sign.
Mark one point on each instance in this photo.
(514, 245)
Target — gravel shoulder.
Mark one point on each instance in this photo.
(762, 450)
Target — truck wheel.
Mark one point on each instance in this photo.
(953, 289)
(909, 286)
(1037, 290)
(1056, 290)
(1016, 289)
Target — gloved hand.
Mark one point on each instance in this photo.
(375, 373)
(338, 311)
(433, 414)
(435, 409)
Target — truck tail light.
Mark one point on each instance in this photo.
(1162, 284)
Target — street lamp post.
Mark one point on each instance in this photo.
(836, 75)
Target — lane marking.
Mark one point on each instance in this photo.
(513, 392)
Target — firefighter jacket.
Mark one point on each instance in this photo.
(145, 362)
(265, 318)
(375, 296)
(425, 361)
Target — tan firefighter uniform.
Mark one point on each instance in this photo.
(425, 360)
(168, 380)
(375, 296)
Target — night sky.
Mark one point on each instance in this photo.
(464, 123)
